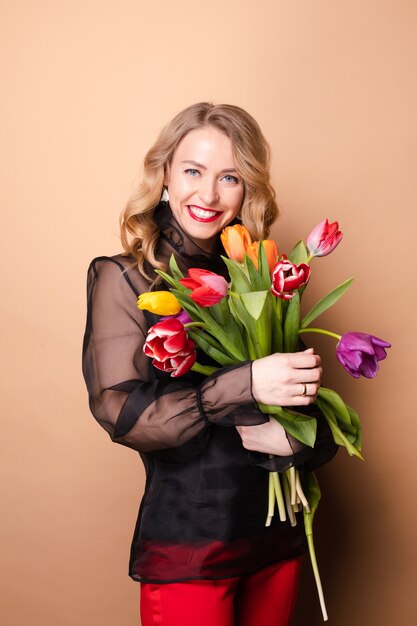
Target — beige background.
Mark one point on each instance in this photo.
(87, 86)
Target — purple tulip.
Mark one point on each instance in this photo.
(182, 316)
(359, 353)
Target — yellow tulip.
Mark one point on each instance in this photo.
(159, 302)
(235, 240)
(271, 251)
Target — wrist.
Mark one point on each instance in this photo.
(256, 391)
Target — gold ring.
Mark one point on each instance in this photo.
(304, 389)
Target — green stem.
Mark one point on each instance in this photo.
(301, 493)
(320, 331)
(287, 494)
(292, 472)
(309, 258)
(271, 500)
(207, 370)
(279, 308)
(316, 574)
(279, 497)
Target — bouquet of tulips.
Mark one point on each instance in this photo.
(254, 315)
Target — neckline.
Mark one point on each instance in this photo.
(179, 239)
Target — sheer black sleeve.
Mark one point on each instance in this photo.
(128, 398)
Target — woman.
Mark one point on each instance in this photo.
(200, 548)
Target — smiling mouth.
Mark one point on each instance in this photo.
(203, 215)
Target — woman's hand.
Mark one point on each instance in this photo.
(281, 380)
(287, 379)
(269, 438)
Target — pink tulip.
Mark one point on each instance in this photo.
(286, 277)
(170, 348)
(207, 287)
(324, 238)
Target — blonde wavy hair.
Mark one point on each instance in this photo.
(139, 232)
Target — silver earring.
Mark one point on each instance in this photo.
(165, 195)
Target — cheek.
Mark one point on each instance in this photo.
(180, 188)
(237, 200)
(185, 186)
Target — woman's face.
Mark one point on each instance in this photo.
(205, 189)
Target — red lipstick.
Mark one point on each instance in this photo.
(203, 219)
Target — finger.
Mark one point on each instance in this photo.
(302, 400)
(312, 375)
(306, 389)
(300, 360)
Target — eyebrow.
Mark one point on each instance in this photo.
(228, 169)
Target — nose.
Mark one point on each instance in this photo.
(208, 193)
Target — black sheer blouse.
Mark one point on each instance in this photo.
(205, 502)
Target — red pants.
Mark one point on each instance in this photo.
(265, 598)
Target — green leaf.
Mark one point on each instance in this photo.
(240, 312)
(255, 278)
(292, 324)
(253, 353)
(207, 337)
(354, 417)
(337, 404)
(263, 269)
(313, 494)
(217, 311)
(254, 302)
(326, 302)
(238, 276)
(304, 430)
(299, 253)
(347, 418)
(277, 339)
(338, 435)
(171, 281)
(300, 426)
(189, 305)
(263, 326)
(350, 431)
(201, 314)
(253, 310)
(206, 370)
(202, 341)
(234, 330)
(174, 269)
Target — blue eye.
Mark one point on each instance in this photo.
(192, 172)
(231, 178)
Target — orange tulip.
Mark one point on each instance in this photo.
(271, 251)
(235, 240)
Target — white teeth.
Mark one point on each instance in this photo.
(202, 212)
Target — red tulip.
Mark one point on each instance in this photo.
(324, 238)
(286, 277)
(170, 347)
(207, 287)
